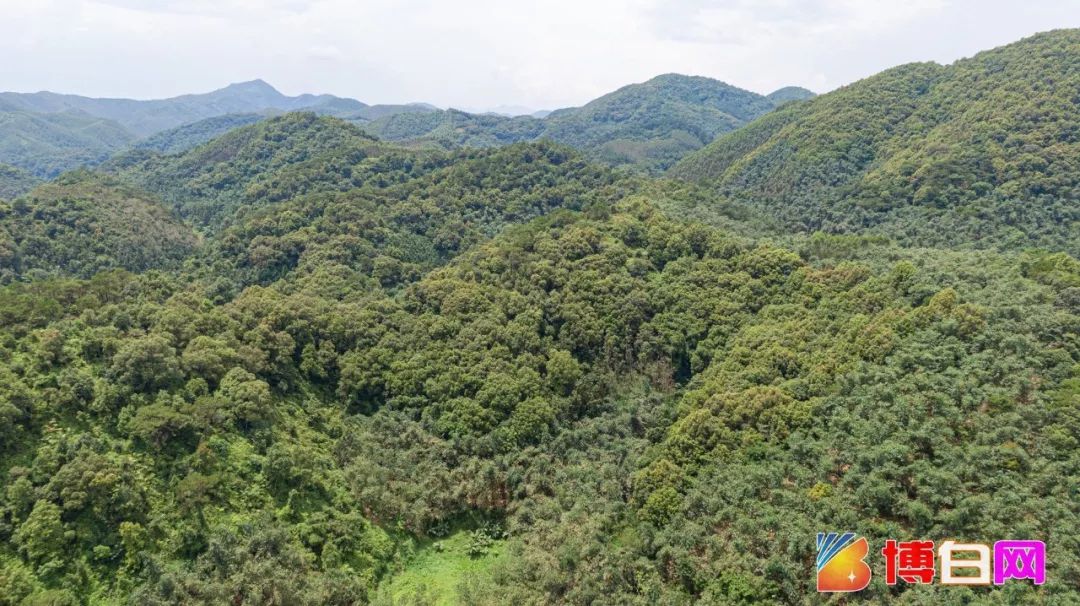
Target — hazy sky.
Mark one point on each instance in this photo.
(486, 53)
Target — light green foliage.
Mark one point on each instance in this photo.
(264, 162)
(981, 152)
(441, 570)
(510, 376)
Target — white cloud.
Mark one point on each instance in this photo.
(483, 53)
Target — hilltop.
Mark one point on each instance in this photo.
(83, 224)
(984, 150)
(648, 125)
(254, 165)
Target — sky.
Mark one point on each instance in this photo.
(486, 54)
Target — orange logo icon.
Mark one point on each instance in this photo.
(840, 565)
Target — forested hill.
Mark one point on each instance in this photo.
(649, 125)
(84, 223)
(297, 365)
(581, 385)
(47, 133)
(789, 94)
(254, 165)
(144, 118)
(985, 150)
(186, 136)
(656, 122)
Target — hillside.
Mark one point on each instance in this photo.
(254, 165)
(579, 385)
(187, 136)
(983, 150)
(48, 133)
(454, 129)
(83, 224)
(144, 118)
(657, 122)
(285, 363)
(47, 144)
(14, 182)
(649, 125)
(374, 112)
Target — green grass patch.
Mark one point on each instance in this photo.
(433, 575)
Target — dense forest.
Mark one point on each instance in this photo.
(982, 151)
(15, 182)
(290, 362)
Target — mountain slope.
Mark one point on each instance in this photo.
(452, 129)
(649, 125)
(187, 136)
(145, 118)
(251, 166)
(374, 112)
(986, 149)
(83, 224)
(14, 182)
(571, 393)
(654, 123)
(47, 144)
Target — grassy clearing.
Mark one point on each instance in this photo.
(433, 575)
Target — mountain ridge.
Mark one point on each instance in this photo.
(989, 141)
(146, 117)
(650, 124)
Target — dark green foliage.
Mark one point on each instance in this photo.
(982, 151)
(429, 208)
(266, 162)
(82, 224)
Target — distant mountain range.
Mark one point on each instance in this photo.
(144, 118)
(651, 124)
